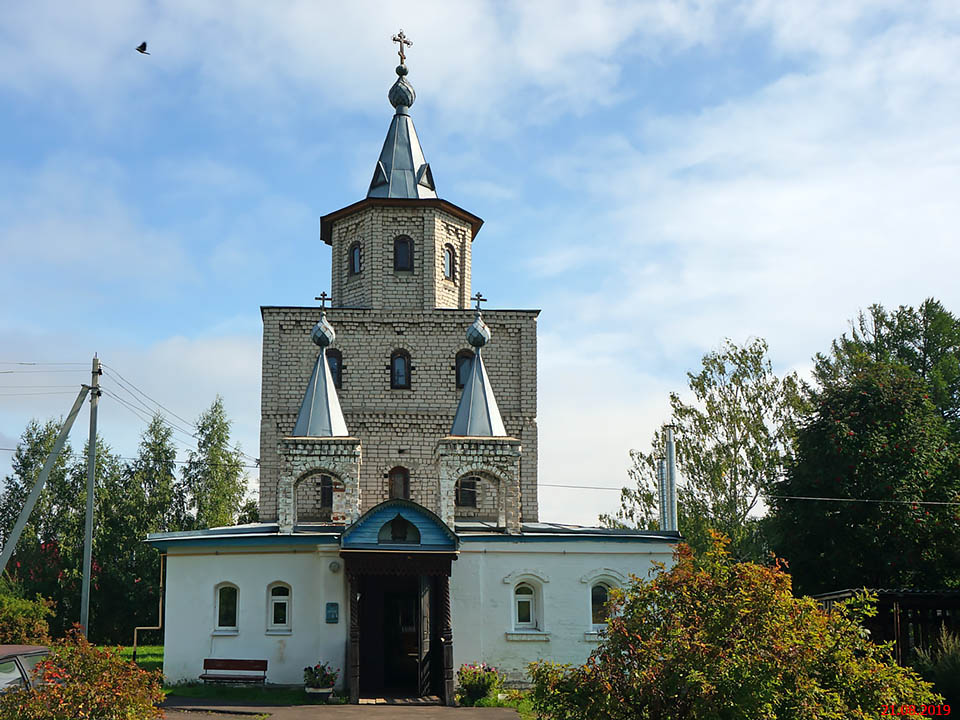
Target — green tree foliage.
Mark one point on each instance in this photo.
(926, 340)
(80, 681)
(214, 475)
(874, 436)
(23, 621)
(732, 442)
(712, 639)
(132, 500)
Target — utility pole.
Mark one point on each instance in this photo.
(95, 374)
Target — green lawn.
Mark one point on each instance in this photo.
(149, 657)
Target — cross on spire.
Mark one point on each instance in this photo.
(401, 40)
(323, 300)
(479, 299)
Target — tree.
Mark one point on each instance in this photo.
(214, 474)
(732, 443)
(712, 639)
(926, 340)
(876, 438)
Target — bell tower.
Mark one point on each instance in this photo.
(402, 246)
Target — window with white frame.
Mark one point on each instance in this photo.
(228, 599)
(278, 608)
(525, 607)
(599, 605)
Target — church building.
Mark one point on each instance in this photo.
(400, 534)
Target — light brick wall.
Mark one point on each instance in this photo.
(397, 427)
(378, 285)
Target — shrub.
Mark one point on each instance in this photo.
(24, 621)
(86, 683)
(941, 665)
(476, 682)
(712, 639)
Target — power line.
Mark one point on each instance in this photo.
(26, 394)
(41, 363)
(75, 454)
(35, 372)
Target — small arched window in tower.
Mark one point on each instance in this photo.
(335, 362)
(466, 492)
(464, 364)
(403, 253)
(599, 605)
(355, 259)
(449, 262)
(399, 479)
(400, 370)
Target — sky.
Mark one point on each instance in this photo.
(655, 176)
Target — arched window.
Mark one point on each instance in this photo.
(463, 367)
(525, 607)
(399, 530)
(466, 492)
(403, 253)
(227, 597)
(400, 370)
(449, 262)
(399, 479)
(278, 608)
(335, 361)
(599, 605)
(355, 259)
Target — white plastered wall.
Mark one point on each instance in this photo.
(562, 573)
(189, 632)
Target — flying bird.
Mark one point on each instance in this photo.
(142, 48)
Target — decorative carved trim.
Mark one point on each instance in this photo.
(604, 573)
(525, 574)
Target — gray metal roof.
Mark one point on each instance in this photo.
(478, 414)
(320, 413)
(402, 171)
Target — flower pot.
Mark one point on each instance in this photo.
(322, 692)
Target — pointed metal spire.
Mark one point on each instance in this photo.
(320, 413)
(402, 171)
(478, 414)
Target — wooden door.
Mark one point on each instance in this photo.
(426, 630)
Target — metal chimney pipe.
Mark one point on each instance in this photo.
(671, 480)
(663, 498)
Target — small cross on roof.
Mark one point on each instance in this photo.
(323, 300)
(401, 40)
(479, 299)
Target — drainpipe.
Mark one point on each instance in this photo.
(671, 479)
(159, 625)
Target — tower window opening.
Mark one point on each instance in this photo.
(466, 492)
(403, 253)
(335, 362)
(449, 262)
(399, 484)
(463, 366)
(326, 492)
(355, 258)
(400, 370)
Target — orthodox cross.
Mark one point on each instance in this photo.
(401, 40)
(323, 300)
(479, 299)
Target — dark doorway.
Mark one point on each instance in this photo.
(397, 635)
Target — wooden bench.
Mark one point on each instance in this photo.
(234, 666)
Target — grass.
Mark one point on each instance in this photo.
(149, 657)
(519, 700)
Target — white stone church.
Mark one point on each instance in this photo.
(400, 534)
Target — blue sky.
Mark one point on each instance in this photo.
(656, 176)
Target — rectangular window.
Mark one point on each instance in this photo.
(279, 613)
(279, 617)
(523, 612)
(466, 495)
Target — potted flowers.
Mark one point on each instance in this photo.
(320, 679)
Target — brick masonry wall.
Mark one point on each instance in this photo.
(397, 427)
(378, 285)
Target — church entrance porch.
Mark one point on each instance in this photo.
(399, 637)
